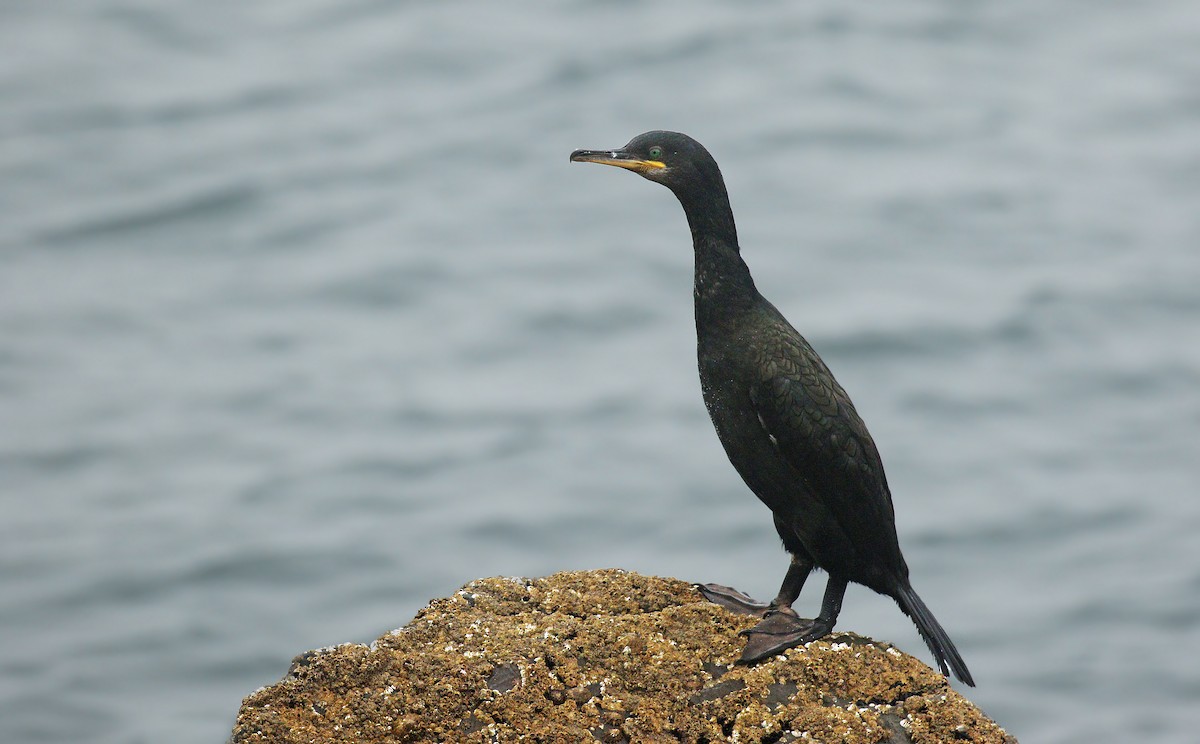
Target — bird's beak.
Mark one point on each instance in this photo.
(619, 158)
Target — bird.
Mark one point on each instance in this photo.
(788, 428)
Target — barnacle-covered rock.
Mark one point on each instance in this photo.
(606, 656)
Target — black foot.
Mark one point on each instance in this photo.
(779, 631)
(732, 600)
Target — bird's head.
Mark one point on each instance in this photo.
(675, 160)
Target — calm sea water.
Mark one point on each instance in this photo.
(305, 319)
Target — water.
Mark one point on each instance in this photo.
(305, 319)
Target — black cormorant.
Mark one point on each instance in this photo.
(786, 424)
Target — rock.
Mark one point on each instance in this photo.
(604, 656)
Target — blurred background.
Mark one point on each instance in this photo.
(305, 319)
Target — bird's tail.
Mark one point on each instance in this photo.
(932, 632)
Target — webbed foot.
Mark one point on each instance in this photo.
(732, 600)
(780, 630)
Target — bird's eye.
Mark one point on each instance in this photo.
(656, 152)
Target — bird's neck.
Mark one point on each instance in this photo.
(723, 286)
(708, 213)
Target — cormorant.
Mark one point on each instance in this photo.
(786, 424)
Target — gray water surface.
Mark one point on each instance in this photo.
(305, 319)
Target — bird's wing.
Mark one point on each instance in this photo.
(814, 426)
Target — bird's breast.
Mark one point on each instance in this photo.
(725, 383)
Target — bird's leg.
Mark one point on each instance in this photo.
(831, 607)
(735, 601)
(781, 629)
(793, 582)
